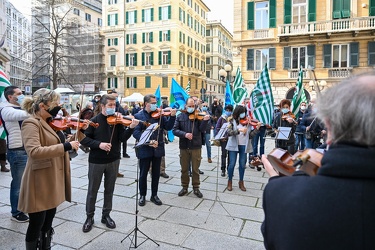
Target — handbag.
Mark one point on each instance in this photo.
(308, 135)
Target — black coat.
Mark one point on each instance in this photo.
(332, 210)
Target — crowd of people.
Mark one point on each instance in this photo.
(39, 156)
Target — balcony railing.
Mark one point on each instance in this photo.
(148, 67)
(256, 74)
(294, 73)
(165, 66)
(131, 67)
(262, 34)
(339, 72)
(329, 26)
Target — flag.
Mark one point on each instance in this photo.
(239, 92)
(2, 41)
(299, 94)
(228, 95)
(4, 82)
(261, 99)
(158, 96)
(187, 89)
(178, 96)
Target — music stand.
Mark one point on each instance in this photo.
(143, 141)
(222, 134)
(283, 133)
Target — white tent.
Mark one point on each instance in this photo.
(135, 97)
(64, 90)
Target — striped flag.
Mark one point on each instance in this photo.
(4, 82)
(239, 92)
(261, 99)
(299, 94)
(187, 89)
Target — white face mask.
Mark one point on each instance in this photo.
(303, 107)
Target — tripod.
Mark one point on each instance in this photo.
(133, 239)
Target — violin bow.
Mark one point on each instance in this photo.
(316, 84)
(160, 115)
(80, 112)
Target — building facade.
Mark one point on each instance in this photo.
(4, 48)
(150, 42)
(335, 38)
(218, 54)
(18, 41)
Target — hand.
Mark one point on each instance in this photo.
(74, 144)
(134, 123)
(324, 132)
(243, 130)
(290, 119)
(87, 123)
(268, 167)
(189, 136)
(173, 112)
(259, 124)
(153, 144)
(105, 146)
(206, 117)
(307, 128)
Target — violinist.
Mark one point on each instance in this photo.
(285, 119)
(335, 208)
(104, 159)
(153, 153)
(46, 181)
(190, 133)
(300, 132)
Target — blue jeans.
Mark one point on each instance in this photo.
(259, 137)
(300, 142)
(17, 160)
(233, 160)
(208, 144)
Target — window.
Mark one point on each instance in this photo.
(88, 17)
(112, 60)
(112, 2)
(166, 57)
(131, 82)
(299, 57)
(100, 22)
(299, 11)
(165, 82)
(208, 74)
(165, 13)
(112, 41)
(341, 9)
(76, 11)
(208, 60)
(147, 37)
(147, 58)
(131, 17)
(148, 15)
(147, 81)
(182, 59)
(208, 32)
(261, 58)
(261, 15)
(131, 39)
(165, 35)
(112, 19)
(112, 83)
(131, 59)
(340, 55)
(189, 61)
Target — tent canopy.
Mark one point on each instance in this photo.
(135, 97)
(64, 90)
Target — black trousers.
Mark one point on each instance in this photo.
(40, 221)
(144, 167)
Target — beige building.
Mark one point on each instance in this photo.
(218, 54)
(150, 42)
(334, 37)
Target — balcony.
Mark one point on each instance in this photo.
(110, 70)
(339, 72)
(329, 26)
(262, 34)
(131, 67)
(165, 66)
(148, 67)
(294, 73)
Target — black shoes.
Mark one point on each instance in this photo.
(155, 199)
(183, 192)
(107, 220)
(142, 200)
(223, 173)
(198, 193)
(164, 175)
(201, 172)
(87, 226)
(126, 156)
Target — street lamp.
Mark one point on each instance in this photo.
(321, 84)
(225, 74)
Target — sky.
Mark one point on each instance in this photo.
(23, 6)
(221, 10)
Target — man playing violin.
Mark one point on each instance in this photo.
(153, 153)
(104, 159)
(190, 133)
(335, 208)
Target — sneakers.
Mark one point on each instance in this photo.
(21, 218)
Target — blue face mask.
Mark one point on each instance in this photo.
(110, 111)
(20, 99)
(242, 115)
(204, 108)
(153, 107)
(228, 113)
(190, 110)
(285, 111)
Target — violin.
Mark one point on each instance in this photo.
(161, 112)
(248, 121)
(196, 115)
(308, 160)
(289, 115)
(63, 123)
(123, 120)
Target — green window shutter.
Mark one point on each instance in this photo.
(159, 58)
(108, 83)
(143, 58)
(169, 35)
(183, 16)
(116, 83)
(152, 58)
(109, 20)
(127, 18)
(327, 51)
(127, 60)
(143, 16)
(312, 11)
(372, 8)
(135, 38)
(354, 54)
(151, 37)
(135, 59)
(345, 12)
(310, 56)
(180, 36)
(116, 41)
(272, 58)
(272, 22)
(135, 82)
(159, 13)
(143, 37)
(337, 6)
(371, 53)
(250, 15)
(127, 82)
(169, 57)
(287, 11)
(147, 81)
(287, 56)
(169, 12)
(109, 42)
(250, 59)
(179, 14)
(116, 19)
(160, 36)
(127, 39)
(152, 14)
(135, 16)
(183, 36)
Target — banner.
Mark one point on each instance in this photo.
(178, 96)
(299, 94)
(239, 92)
(158, 96)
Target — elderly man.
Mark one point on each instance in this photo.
(335, 208)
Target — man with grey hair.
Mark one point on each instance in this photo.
(335, 208)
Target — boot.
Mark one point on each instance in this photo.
(241, 185)
(3, 167)
(32, 245)
(46, 238)
(229, 186)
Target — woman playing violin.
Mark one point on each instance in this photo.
(285, 119)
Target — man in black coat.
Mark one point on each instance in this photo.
(335, 208)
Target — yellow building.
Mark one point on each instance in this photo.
(150, 42)
(334, 37)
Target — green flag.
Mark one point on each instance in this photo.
(187, 89)
(4, 82)
(299, 94)
(239, 92)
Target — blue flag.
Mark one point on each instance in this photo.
(158, 96)
(178, 97)
(228, 95)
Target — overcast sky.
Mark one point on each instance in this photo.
(221, 10)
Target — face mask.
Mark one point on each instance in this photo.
(96, 100)
(54, 111)
(153, 107)
(242, 115)
(204, 108)
(110, 111)
(228, 113)
(190, 110)
(303, 107)
(20, 99)
(136, 106)
(285, 111)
